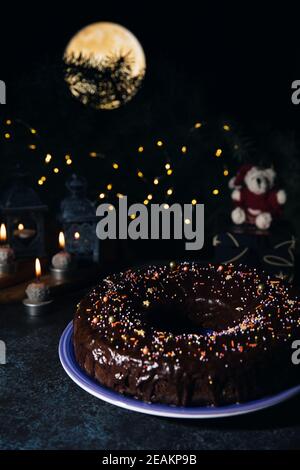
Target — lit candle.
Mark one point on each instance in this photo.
(63, 259)
(62, 262)
(23, 232)
(37, 301)
(3, 235)
(37, 291)
(38, 269)
(61, 240)
(7, 255)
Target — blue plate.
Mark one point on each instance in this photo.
(67, 358)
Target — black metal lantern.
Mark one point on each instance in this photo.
(78, 217)
(24, 215)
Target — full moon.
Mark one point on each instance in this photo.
(104, 65)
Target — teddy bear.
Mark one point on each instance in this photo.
(256, 200)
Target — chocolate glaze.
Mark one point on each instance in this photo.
(189, 335)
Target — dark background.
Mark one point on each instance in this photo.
(241, 58)
(212, 62)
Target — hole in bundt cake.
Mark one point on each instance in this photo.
(193, 316)
(171, 317)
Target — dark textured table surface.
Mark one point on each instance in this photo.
(41, 408)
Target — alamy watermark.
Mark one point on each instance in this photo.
(156, 221)
(2, 352)
(296, 354)
(295, 96)
(2, 92)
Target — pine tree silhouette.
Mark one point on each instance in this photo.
(107, 84)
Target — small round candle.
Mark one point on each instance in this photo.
(37, 291)
(6, 252)
(63, 259)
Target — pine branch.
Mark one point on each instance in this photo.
(104, 84)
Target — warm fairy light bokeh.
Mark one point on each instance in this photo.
(156, 181)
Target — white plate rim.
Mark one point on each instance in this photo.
(99, 391)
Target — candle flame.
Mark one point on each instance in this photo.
(76, 235)
(3, 233)
(38, 270)
(61, 240)
(20, 227)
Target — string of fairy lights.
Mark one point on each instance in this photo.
(169, 170)
(109, 191)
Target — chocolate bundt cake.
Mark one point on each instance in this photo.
(185, 334)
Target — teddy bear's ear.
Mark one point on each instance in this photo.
(239, 179)
(231, 183)
(270, 175)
